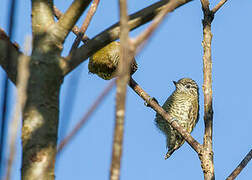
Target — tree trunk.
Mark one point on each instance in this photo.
(40, 120)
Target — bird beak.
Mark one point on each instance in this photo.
(174, 82)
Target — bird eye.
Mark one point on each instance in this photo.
(188, 86)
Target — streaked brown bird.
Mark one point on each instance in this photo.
(182, 106)
(105, 61)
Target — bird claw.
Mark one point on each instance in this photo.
(173, 119)
(147, 103)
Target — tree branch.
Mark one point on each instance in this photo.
(241, 166)
(42, 16)
(94, 106)
(84, 26)
(206, 157)
(68, 20)
(126, 55)
(218, 6)
(75, 28)
(22, 81)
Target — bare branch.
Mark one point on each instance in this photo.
(75, 29)
(85, 24)
(171, 5)
(80, 124)
(126, 55)
(241, 166)
(218, 6)
(68, 20)
(206, 156)
(112, 33)
(22, 80)
(205, 4)
(156, 107)
(42, 16)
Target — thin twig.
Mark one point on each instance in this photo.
(241, 166)
(22, 80)
(85, 24)
(218, 6)
(126, 55)
(94, 106)
(156, 107)
(170, 6)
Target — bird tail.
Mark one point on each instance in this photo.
(169, 153)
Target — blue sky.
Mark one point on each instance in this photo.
(173, 52)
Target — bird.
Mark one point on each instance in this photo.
(183, 107)
(104, 62)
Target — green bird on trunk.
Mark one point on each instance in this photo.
(182, 106)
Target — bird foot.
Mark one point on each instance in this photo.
(173, 119)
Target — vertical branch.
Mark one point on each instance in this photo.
(123, 77)
(206, 156)
(41, 111)
(22, 80)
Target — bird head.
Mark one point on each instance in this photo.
(186, 85)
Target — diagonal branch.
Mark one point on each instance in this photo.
(84, 26)
(58, 14)
(112, 33)
(218, 6)
(80, 124)
(68, 20)
(156, 107)
(22, 81)
(241, 166)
